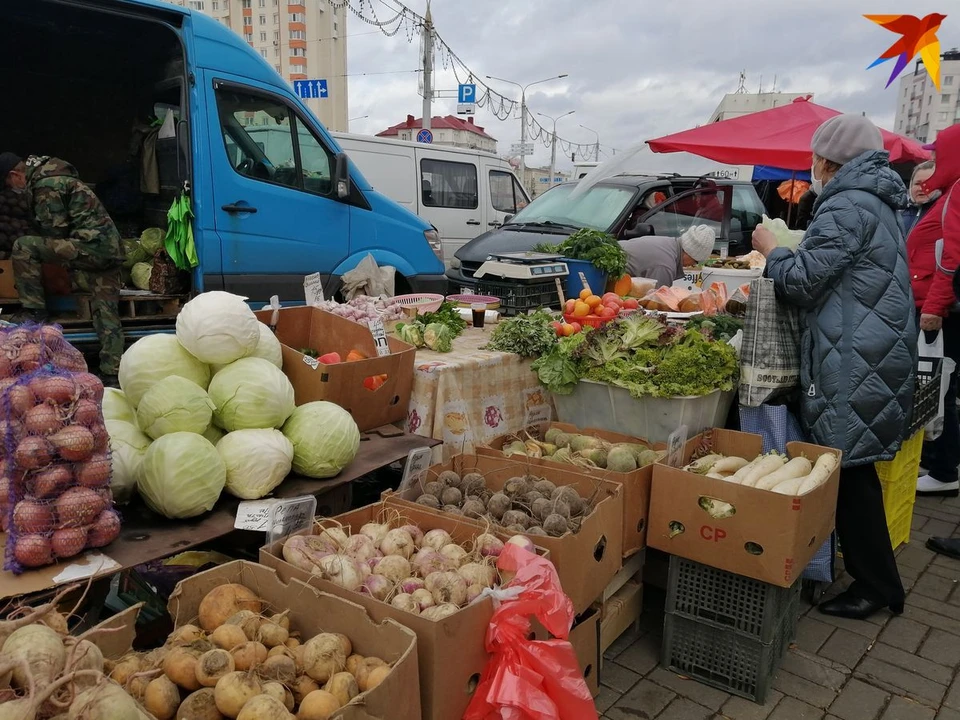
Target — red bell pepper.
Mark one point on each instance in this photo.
(331, 358)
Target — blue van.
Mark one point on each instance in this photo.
(273, 195)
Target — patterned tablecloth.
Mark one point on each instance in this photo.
(469, 396)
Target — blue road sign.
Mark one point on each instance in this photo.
(467, 94)
(425, 136)
(310, 89)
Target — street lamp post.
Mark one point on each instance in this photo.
(362, 117)
(596, 148)
(523, 116)
(553, 143)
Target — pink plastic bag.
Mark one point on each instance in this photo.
(531, 679)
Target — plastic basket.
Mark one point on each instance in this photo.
(424, 302)
(726, 660)
(593, 322)
(926, 395)
(754, 609)
(898, 478)
(519, 298)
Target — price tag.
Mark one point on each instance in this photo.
(675, 444)
(537, 414)
(724, 251)
(311, 362)
(417, 463)
(276, 517)
(313, 290)
(379, 337)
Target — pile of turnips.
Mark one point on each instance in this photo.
(423, 572)
(242, 661)
(525, 504)
(55, 498)
(210, 409)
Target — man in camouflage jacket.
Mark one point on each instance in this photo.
(77, 233)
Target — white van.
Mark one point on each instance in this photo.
(463, 193)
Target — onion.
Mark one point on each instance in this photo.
(376, 586)
(375, 531)
(430, 561)
(89, 386)
(424, 598)
(30, 516)
(436, 539)
(524, 542)
(489, 545)
(473, 592)
(360, 547)
(406, 602)
(78, 506)
(33, 551)
(87, 413)
(11, 431)
(69, 358)
(29, 358)
(341, 570)
(411, 584)
(67, 542)
(416, 533)
(105, 530)
(74, 443)
(393, 567)
(95, 472)
(454, 553)
(101, 438)
(398, 542)
(51, 481)
(478, 574)
(20, 399)
(52, 337)
(33, 453)
(57, 389)
(447, 587)
(42, 419)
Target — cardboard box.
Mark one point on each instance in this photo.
(451, 651)
(620, 612)
(585, 639)
(586, 561)
(636, 484)
(309, 327)
(7, 287)
(771, 537)
(313, 612)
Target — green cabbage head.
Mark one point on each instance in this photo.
(174, 404)
(127, 447)
(150, 359)
(251, 393)
(116, 406)
(218, 327)
(181, 476)
(256, 461)
(325, 439)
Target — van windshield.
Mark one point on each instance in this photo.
(596, 209)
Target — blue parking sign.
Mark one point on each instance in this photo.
(467, 94)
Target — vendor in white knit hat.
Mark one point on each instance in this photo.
(664, 258)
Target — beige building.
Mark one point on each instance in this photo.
(447, 130)
(922, 110)
(536, 180)
(742, 103)
(302, 39)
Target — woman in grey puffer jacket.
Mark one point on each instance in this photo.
(850, 282)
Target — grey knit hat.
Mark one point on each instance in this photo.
(844, 137)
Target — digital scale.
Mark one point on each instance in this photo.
(523, 266)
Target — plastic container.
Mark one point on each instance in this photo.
(926, 395)
(898, 478)
(731, 278)
(607, 407)
(595, 278)
(519, 298)
(424, 302)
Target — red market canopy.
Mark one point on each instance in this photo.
(779, 137)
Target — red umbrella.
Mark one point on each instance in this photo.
(779, 137)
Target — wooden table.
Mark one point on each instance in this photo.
(147, 536)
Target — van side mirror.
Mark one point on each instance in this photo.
(507, 218)
(639, 230)
(341, 175)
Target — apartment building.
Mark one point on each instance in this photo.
(922, 110)
(302, 39)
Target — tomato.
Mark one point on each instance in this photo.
(631, 304)
(577, 327)
(568, 330)
(609, 312)
(610, 297)
(570, 304)
(581, 309)
(557, 328)
(331, 358)
(615, 306)
(584, 294)
(374, 382)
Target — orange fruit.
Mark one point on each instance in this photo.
(593, 301)
(584, 294)
(581, 309)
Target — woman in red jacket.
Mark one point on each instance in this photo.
(933, 294)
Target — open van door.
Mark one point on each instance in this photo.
(507, 197)
(274, 191)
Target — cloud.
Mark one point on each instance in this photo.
(638, 69)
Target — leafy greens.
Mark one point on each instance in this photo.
(526, 335)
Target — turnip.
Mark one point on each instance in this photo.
(248, 655)
(272, 633)
(334, 536)
(318, 705)
(281, 650)
(393, 567)
(416, 533)
(105, 700)
(248, 621)
(83, 655)
(555, 525)
(488, 545)
(377, 586)
(302, 686)
(224, 601)
(234, 690)
(433, 488)
(345, 644)
(125, 669)
(213, 665)
(455, 554)
(439, 612)
(423, 598)
(279, 668)
(180, 665)
(264, 707)
(515, 517)
(447, 587)
(398, 542)
(343, 686)
(473, 592)
(524, 542)
(360, 547)
(342, 570)
(373, 678)
(184, 635)
(200, 705)
(353, 662)
(41, 650)
(436, 539)
(406, 602)
(278, 692)
(498, 505)
(375, 531)
(297, 552)
(228, 637)
(323, 656)
(478, 574)
(428, 501)
(410, 585)
(473, 508)
(429, 561)
(162, 698)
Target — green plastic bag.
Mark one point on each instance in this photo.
(179, 241)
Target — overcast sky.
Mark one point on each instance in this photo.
(637, 69)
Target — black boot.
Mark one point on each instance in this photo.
(851, 605)
(27, 315)
(945, 546)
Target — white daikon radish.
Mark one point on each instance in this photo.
(798, 467)
(769, 464)
(729, 465)
(822, 470)
(740, 474)
(790, 486)
(704, 464)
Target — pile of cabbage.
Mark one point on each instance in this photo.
(210, 409)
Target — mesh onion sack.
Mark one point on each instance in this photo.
(56, 468)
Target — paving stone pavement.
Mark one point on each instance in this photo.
(885, 668)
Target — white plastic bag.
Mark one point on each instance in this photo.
(368, 278)
(934, 428)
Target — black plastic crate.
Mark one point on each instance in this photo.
(752, 608)
(723, 659)
(517, 298)
(926, 394)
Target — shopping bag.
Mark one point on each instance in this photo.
(933, 349)
(531, 679)
(770, 358)
(778, 426)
